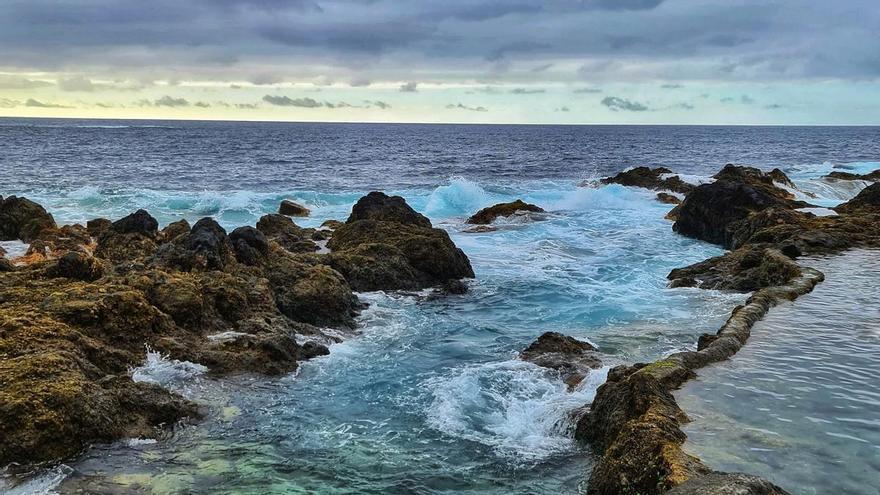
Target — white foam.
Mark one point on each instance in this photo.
(522, 411)
(819, 212)
(612, 196)
(168, 373)
(14, 249)
(139, 442)
(460, 197)
(43, 483)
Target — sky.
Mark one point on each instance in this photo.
(808, 62)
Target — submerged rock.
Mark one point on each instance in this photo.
(21, 218)
(290, 208)
(572, 358)
(386, 245)
(489, 214)
(727, 484)
(650, 178)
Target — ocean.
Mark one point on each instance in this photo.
(429, 398)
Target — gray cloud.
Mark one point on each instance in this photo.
(378, 104)
(8, 103)
(410, 87)
(76, 83)
(39, 104)
(17, 82)
(616, 104)
(202, 104)
(587, 90)
(527, 91)
(247, 106)
(169, 101)
(285, 101)
(359, 82)
(461, 106)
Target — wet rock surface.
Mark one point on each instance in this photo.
(73, 324)
(658, 179)
(21, 218)
(746, 269)
(727, 484)
(871, 176)
(571, 358)
(668, 199)
(491, 213)
(293, 209)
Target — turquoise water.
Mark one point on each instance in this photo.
(429, 398)
(800, 404)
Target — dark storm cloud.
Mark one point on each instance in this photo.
(614, 39)
(286, 101)
(616, 104)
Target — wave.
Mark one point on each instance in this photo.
(521, 411)
(461, 197)
(172, 374)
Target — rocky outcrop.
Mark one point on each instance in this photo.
(571, 358)
(668, 199)
(21, 218)
(868, 201)
(658, 179)
(727, 484)
(872, 176)
(386, 245)
(490, 214)
(290, 208)
(281, 229)
(635, 421)
(747, 269)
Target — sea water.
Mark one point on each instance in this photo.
(429, 396)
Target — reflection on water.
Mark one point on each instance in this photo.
(800, 403)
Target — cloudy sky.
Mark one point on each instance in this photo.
(507, 61)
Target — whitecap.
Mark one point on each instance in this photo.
(158, 369)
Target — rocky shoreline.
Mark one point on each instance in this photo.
(634, 422)
(77, 311)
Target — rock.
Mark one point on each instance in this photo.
(139, 222)
(119, 248)
(292, 209)
(571, 358)
(489, 214)
(174, 230)
(21, 218)
(290, 236)
(389, 255)
(454, 287)
(332, 224)
(779, 177)
(768, 183)
(311, 350)
(204, 248)
(480, 229)
(668, 199)
(649, 178)
(727, 484)
(383, 208)
(249, 244)
(6, 265)
(2, 252)
(874, 176)
(315, 294)
(868, 199)
(746, 269)
(78, 266)
(98, 226)
(708, 211)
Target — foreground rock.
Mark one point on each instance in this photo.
(74, 321)
(491, 213)
(746, 269)
(571, 358)
(867, 201)
(658, 179)
(386, 245)
(21, 218)
(289, 208)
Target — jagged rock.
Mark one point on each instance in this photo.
(874, 176)
(768, 183)
(867, 199)
(746, 269)
(727, 484)
(668, 199)
(489, 214)
(380, 207)
(332, 224)
(315, 294)
(290, 236)
(649, 178)
(572, 358)
(249, 244)
(292, 209)
(77, 265)
(98, 226)
(174, 230)
(386, 245)
(139, 222)
(21, 218)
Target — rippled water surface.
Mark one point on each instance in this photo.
(429, 397)
(800, 403)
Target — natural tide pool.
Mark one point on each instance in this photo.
(800, 403)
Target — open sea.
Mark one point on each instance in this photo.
(430, 398)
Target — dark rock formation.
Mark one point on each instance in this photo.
(873, 176)
(747, 269)
(668, 199)
(249, 244)
(386, 245)
(77, 266)
(489, 214)
(289, 208)
(98, 226)
(867, 200)
(21, 218)
(139, 222)
(290, 236)
(727, 484)
(175, 229)
(650, 178)
(572, 358)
